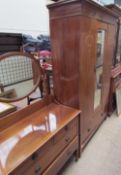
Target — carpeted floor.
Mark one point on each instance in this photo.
(102, 156)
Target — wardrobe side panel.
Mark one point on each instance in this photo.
(65, 34)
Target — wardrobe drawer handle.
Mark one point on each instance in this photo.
(102, 114)
(68, 153)
(88, 130)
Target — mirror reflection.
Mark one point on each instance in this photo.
(17, 76)
(118, 54)
(99, 67)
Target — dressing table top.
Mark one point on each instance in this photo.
(22, 139)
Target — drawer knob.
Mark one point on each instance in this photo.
(38, 170)
(34, 156)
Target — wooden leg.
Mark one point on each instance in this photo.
(76, 155)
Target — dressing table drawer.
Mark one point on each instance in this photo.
(54, 168)
(24, 169)
(67, 133)
(56, 145)
(41, 159)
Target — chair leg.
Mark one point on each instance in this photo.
(41, 88)
(41, 92)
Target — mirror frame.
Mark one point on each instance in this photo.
(40, 71)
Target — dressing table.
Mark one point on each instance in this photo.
(41, 142)
(39, 138)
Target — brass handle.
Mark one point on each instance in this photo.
(38, 170)
(66, 128)
(67, 140)
(53, 140)
(34, 156)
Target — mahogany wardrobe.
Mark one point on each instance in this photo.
(83, 37)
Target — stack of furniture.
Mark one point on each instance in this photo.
(30, 44)
(117, 55)
(116, 63)
(10, 42)
(115, 83)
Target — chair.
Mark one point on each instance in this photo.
(40, 86)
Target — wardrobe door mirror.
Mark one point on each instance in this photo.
(19, 76)
(99, 67)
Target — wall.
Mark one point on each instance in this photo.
(104, 1)
(24, 16)
(108, 1)
(118, 2)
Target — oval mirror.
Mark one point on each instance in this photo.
(20, 75)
